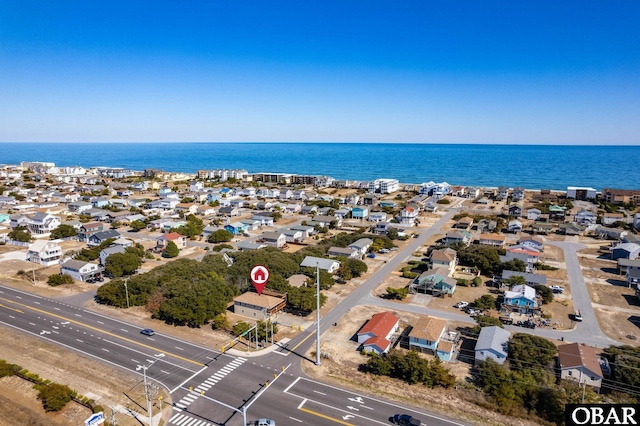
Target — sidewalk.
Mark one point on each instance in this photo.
(259, 352)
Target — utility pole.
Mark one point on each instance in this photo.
(317, 314)
(146, 386)
(126, 290)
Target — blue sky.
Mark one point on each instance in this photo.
(543, 72)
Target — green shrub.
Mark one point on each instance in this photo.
(7, 369)
(58, 279)
(409, 274)
(397, 293)
(54, 396)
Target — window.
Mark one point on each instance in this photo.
(570, 373)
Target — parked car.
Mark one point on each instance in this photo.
(506, 320)
(577, 316)
(557, 289)
(526, 324)
(383, 251)
(406, 420)
(473, 312)
(371, 255)
(147, 332)
(461, 305)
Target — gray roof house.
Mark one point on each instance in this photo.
(100, 237)
(361, 245)
(328, 265)
(492, 343)
(531, 279)
(108, 252)
(342, 251)
(629, 251)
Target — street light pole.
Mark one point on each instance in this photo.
(317, 314)
(126, 290)
(146, 386)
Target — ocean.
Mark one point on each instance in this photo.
(528, 166)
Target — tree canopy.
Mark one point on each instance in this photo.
(529, 352)
(171, 250)
(220, 236)
(63, 231)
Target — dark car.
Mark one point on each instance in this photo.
(147, 332)
(406, 420)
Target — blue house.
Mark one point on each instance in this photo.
(434, 281)
(426, 334)
(454, 237)
(236, 228)
(521, 299)
(360, 212)
(100, 203)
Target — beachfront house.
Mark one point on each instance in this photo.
(375, 335)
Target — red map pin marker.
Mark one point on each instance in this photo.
(259, 276)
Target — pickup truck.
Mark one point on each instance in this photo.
(262, 422)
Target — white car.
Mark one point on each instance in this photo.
(461, 304)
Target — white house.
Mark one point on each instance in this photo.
(79, 270)
(533, 214)
(492, 344)
(44, 252)
(328, 265)
(361, 246)
(581, 193)
(43, 223)
(274, 239)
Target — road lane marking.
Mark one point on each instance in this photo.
(31, 323)
(100, 322)
(323, 416)
(105, 349)
(293, 418)
(291, 385)
(100, 330)
(321, 393)
(78, 315)
(78, 340)
(301, 342)
(12, 309)
(37, 303)
(57, 309)
(122, 329)
(432, 416)
(194, 375)
(179, 348)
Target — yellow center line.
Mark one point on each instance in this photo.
(17, 310)
(333, 419)
(100, 331)
(301, 342)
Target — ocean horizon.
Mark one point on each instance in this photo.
(529, 166)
